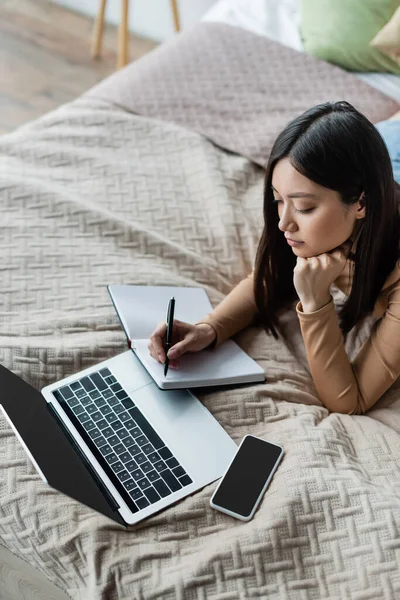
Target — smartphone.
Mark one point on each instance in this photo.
(247, 477)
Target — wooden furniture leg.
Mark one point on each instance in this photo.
(98, 30)
(176, 14)
(123, 36)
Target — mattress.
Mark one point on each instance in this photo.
(280, 21)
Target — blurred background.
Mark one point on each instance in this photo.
(46, 47)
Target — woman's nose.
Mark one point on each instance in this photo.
(286, 223)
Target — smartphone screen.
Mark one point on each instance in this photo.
(247, 476)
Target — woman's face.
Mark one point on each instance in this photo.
(312, 215)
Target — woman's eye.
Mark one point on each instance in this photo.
(304, 211)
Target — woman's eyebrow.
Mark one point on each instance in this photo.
(297, 194)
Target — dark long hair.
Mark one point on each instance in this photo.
(337, 147)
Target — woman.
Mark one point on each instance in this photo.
(331, 215)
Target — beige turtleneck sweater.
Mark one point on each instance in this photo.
(343, 387)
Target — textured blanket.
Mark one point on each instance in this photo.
(235, 87)
(90, 195)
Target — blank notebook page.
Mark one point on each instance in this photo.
(142, 307)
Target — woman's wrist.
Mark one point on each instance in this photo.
(313, 305)
(209, 331)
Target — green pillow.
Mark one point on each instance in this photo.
(339, 31)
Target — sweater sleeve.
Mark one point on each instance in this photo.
(345, 387)
(235, 312)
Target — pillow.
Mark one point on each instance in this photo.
(339, 31)
(387, 40)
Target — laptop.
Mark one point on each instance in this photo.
(110, 438)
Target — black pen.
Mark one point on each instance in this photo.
(170, 325)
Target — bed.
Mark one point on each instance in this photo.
(154, 176)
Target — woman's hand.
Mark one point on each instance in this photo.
(185, 338)
(313, 277)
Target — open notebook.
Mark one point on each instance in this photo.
(141, 308)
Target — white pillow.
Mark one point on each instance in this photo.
(278, 20)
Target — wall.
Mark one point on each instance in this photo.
(149, 18)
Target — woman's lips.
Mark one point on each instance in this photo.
(293, 243)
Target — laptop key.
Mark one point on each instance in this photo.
(66, 392)
(80, 393)
(140, 458)
(123, 434)
(146, 467)
(171, 462)
(129, 485)
(94, 433)
(119, 448)
(78, 410)
(113, 440)
(136, 493)
(85, 401)
(73, 402)
(130, 424)
(107, 432)
(98, 381)
(118, 467)
(153, 457)
(125, 457)
(142, 502)
(161, 488)
(117, 425)
(100, 441)
(134, 449)
(123, 475)
(137, 474)
(151, 495)
(179, 471)
(185, 480)
(111, 418)
(89, 425)
(105, 410)
(87, 384)
(96, 416)
(83, 417)
(113, 401)
(91, 408)
(135, 431)
(119, 409)
(153, 475)
(116, 387)
(99, 402)
(160, 466)
(171, 480)
(147, 448)
(111, 458)
(128, 403)
(124, 417)
(165, 452)
(75, 386)
(121, 394)
(129, 441)
(106, 449)
(95, 394)
(105, 372)
(131, 465)
(141, 440)
(102, 424)
(111, 379)
(144, 483)
(107, 393)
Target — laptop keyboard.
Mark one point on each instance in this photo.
(140, 465)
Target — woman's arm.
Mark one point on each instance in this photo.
(235, 312)
(346, 387)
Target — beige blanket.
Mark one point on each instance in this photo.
(92, 195)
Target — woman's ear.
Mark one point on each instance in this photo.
(361, 207)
